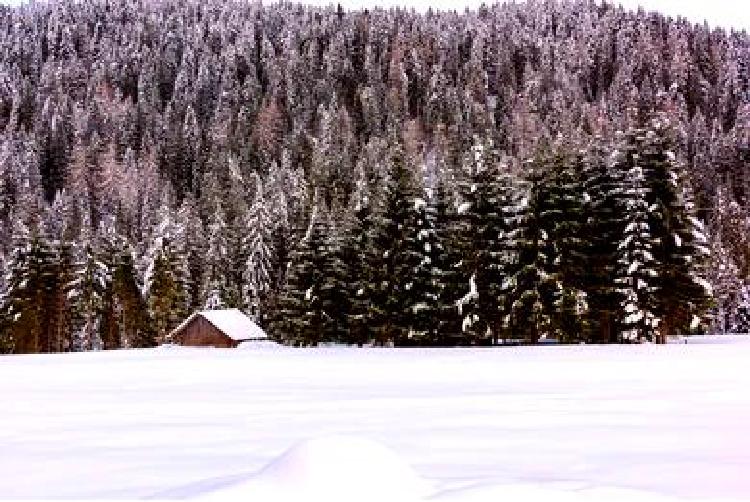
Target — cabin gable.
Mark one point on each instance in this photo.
(201, 333)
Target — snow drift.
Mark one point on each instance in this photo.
(334, 468)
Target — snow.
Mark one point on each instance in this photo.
(276, 424)
(332, 467)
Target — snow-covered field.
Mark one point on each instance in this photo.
(526, 423)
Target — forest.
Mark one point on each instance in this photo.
(541, 170)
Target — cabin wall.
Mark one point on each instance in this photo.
(201, 333)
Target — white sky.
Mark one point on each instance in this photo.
(727, 13)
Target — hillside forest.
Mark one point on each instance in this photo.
(565, 170)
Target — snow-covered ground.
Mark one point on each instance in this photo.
(275, 424)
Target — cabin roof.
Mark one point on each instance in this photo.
(232, 322)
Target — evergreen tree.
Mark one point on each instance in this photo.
(421, 292)
(492, 252)
(680, 250)
(87, 291)
(334, 290)
(391, 271)
(165, 283)
(358, 256)
(637, 266)
(257, 244)
(604, 191)
(535, 285)
(302, 319)
(452, 279)
(166, 295)
(563, 218)
(21, 315)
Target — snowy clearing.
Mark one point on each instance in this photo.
(274, 424)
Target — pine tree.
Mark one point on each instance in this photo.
(680, 250)
(391, 272)
(358, 255)
(21, 317)
(492, 251)
(257, 244)
(302, 319)
(165, 285)
(535, 285)
(132, 312)
(563, 218)
(166, 296)
(59, 233)
(421, 310)
(216, 290)
(87, 292)
(334, 290)
(638, 268)
(452, 278)
(604, 190)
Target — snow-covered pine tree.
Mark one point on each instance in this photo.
(681, 247)
(258, 250)
(535, 285)
(391, 272)
(216, 291)
(21, 321)
(421, 310)
(604, 189)
(335, 289)
(452, 239)
(638, 269)
(563, 219)
(726, 226)
(741, 319)
(358, 254)
(723, 275)
(59, 230)
(301, 318)
(166, 296)
(91, 279)
(130, 310)
(165, 280)
(491, 206)
(194, 243)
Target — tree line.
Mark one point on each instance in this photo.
(601, 245)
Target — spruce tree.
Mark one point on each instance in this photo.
(167, 292)
(90, 283)
(638, 269)
(421, 309)
(452, 279)
(359, 256)
(680, 250)
(302, 318)
(20, 310)
(604, 190)
(391, 271)
(334, 290)
(563, 219)
(535, 285)
(257, 244)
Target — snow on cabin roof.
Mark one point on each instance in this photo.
(232, 322)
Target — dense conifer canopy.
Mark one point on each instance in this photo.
(541, 169)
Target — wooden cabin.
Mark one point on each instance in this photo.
(217, 328)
